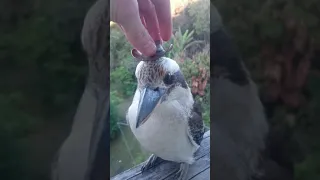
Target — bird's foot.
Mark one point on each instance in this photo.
(150, 162)
(182, 173)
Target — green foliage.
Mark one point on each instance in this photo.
(180, 41)
(252, 22)
(122, 81)
(309, 169)
(190, 68)
(43, 71)
(198, 12)
(114, 114)
(202, 60)
(119, 48)
(15, 124)
(56, 65)
(140, 158)
(256, 23)
(205, 104)
(308, 131)
(11, 157)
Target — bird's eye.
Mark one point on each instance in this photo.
(168, 79)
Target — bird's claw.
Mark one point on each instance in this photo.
(182, 172)
(150, 163)
(160, 52)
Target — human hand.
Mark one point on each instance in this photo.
(143, 22)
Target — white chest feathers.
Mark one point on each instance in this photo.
(166, 132)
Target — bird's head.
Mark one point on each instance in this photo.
(156, 80)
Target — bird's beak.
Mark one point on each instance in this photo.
(149, 99)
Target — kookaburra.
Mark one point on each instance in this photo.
(163, 115)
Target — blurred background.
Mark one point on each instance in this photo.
(43, 70)
(191, 50)
(279, 41)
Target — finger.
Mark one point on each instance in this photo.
(163, 10)
(147, 10)
(139, 37)
(135, 31)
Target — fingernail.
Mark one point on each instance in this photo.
(149, 48)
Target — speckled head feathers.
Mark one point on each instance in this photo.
(153, 72)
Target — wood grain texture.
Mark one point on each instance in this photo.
(165, 170)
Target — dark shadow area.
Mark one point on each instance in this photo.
(43, 71)
(279, 42)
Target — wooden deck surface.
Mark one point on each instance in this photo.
(200, 170)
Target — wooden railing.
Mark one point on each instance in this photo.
(199, 170)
